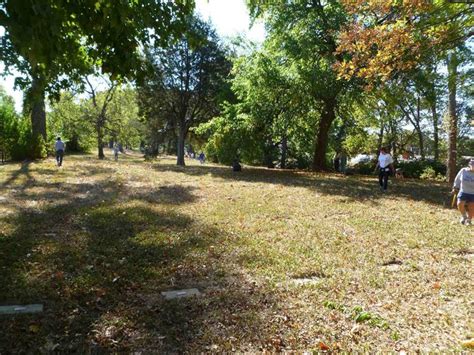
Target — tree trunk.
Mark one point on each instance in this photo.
(100, 145)
(418, 129)
(393, 143)
(453, 122)
(284, 149)
(38, 116)
(38, 112)
(380, 140)
(268, 153)
(181, 139)
(435, 130)
(327, 117)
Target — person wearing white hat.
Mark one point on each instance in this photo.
(464, 186)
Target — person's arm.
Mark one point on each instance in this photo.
(457, 181)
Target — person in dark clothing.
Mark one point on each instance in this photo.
(59, 147)
(236, 165)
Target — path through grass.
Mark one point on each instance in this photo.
(285, 260)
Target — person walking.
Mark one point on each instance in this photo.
(464, 187)
(59, 147)
(202, 158)
(384, 166)
(116, 151)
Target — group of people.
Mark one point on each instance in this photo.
(463, 188)
(59, 147)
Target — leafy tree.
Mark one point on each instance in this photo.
(232, 135)
(123, 112)
(96, 111)
(185, 82)
(66, 119)
(389, 38)
(53, 42)
(307, 33)
(14, 131)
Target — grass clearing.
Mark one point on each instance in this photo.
(97, 242)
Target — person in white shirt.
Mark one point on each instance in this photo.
(384, 165)
(59, 147)
(464, 187)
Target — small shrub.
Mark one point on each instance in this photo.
(429, 173)
(415, 168)
(364, 168)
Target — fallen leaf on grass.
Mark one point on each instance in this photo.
(323, 346)
(469, 344)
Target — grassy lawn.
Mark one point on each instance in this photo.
(285, 260)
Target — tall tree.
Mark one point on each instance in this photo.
(98, 111)
(389, 38)
(307, 32)
(52, 42)
(65, 119)
(452, 115)
(186, 81)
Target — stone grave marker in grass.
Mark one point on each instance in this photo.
(169, 295)
(19, 309)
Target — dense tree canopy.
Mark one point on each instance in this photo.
(186, 82)
(53, 42)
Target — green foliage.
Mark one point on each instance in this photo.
(425, 168)
(123, 118)
(364, 168)
(231, 136)
(429, 173)
(67, 121)
(38, 148)
(359, 315)
(54, 43)
(15, 132)
(184, 85)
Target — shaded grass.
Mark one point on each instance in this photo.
(97, 241)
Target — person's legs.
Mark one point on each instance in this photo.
(381, 179)
(469, 209)
(57, 157)
(462, 210)
(61, 153)
(385, 180)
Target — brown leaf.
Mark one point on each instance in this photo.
(34, 328)
(323, 346)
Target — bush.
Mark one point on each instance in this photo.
(364, 168)
(430, 174)
(430, 169)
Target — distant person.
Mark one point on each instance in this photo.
(343, 162)
(384, 166)
(236, 165)
(336, 162)
(202, 158)
(116, 151)
(59, 147)
(464, 187)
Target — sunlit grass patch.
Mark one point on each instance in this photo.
(266, 249)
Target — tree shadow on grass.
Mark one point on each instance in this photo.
(349, 188)
(24, 170)
(98, 264)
